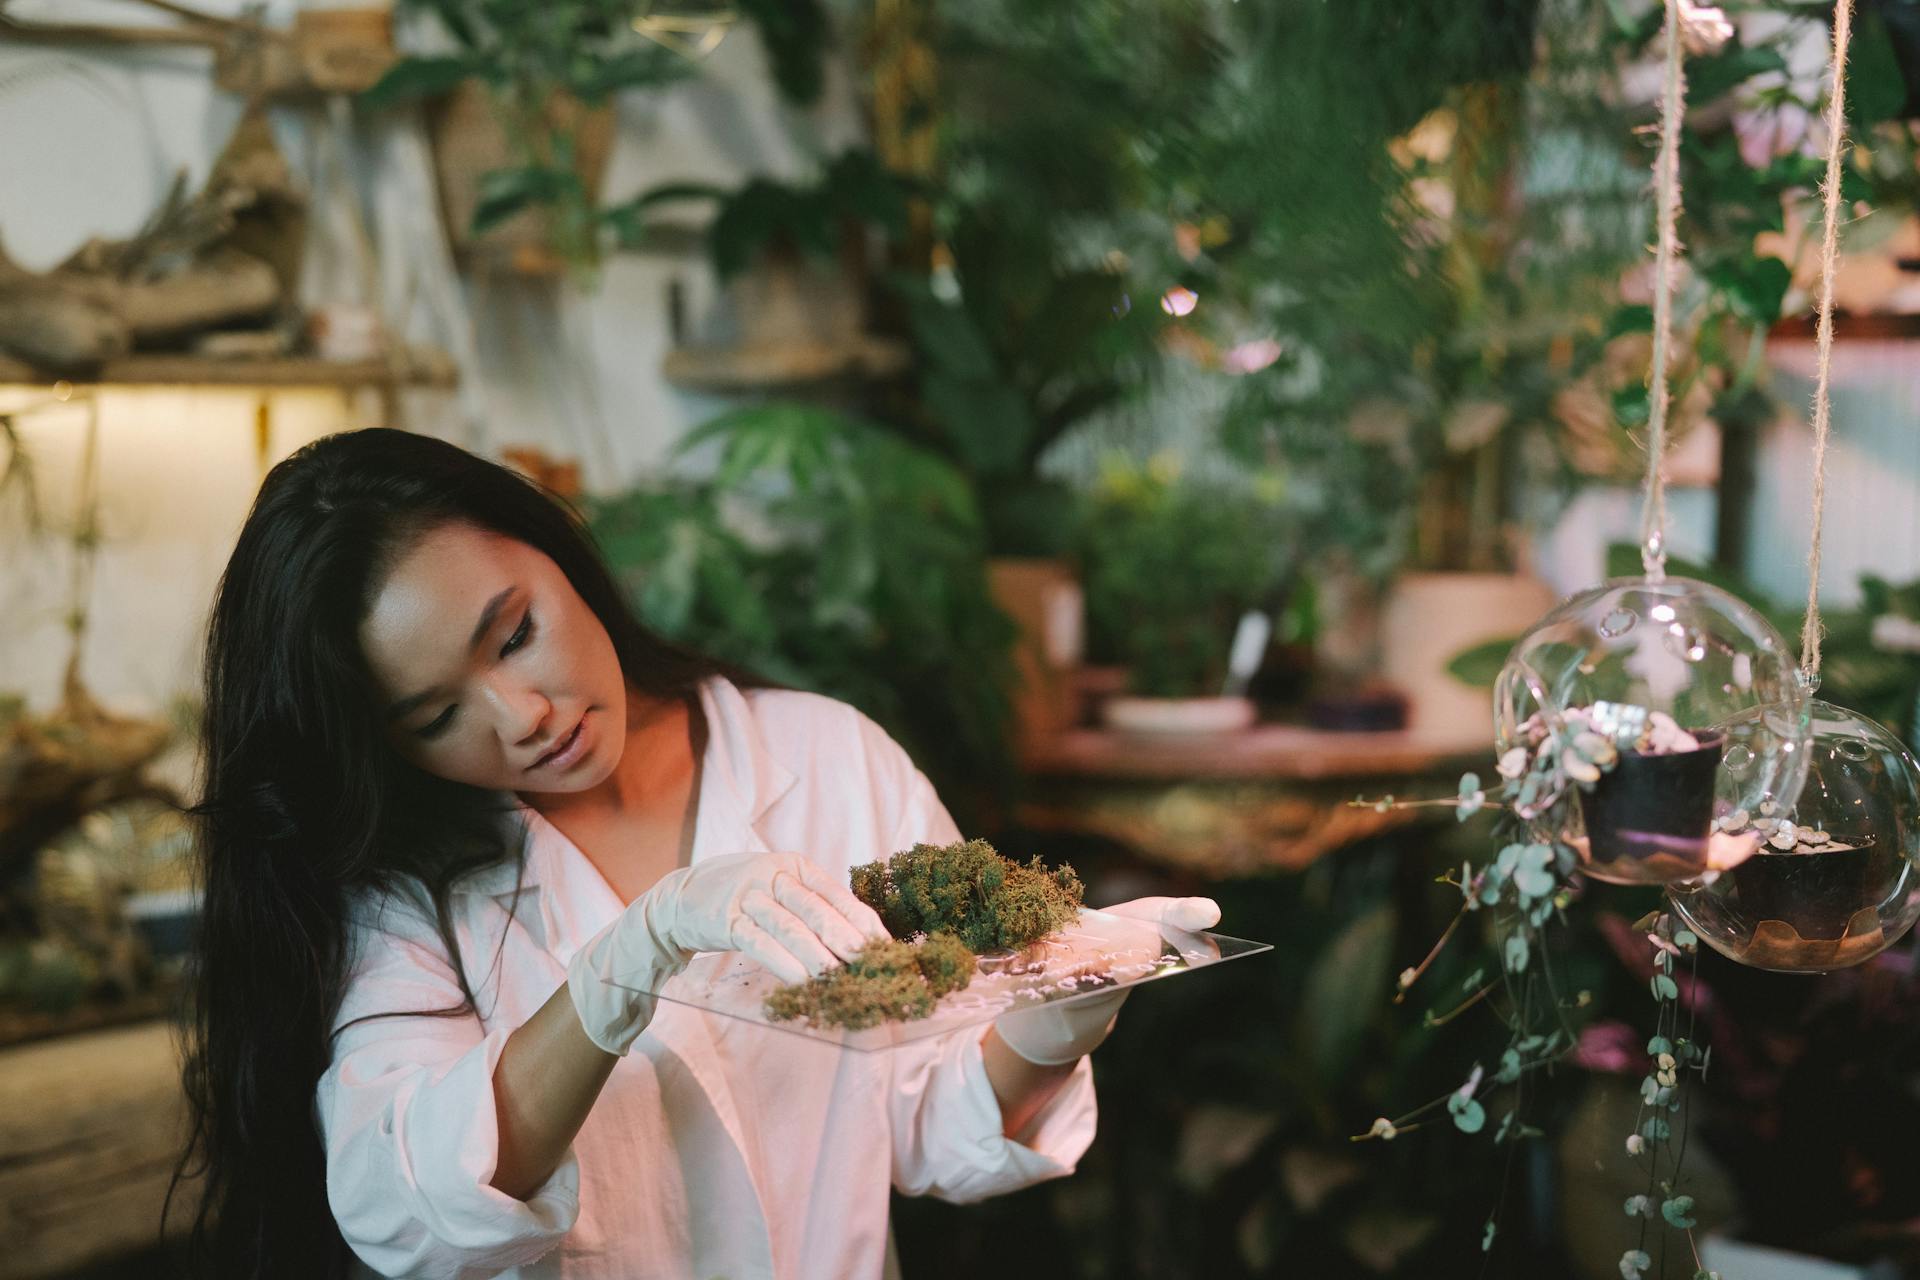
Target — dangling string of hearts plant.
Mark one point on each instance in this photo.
(1554, 763)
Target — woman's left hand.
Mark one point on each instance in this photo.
(1060, 1032)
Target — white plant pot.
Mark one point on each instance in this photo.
(1428, 620)
(1177, 716)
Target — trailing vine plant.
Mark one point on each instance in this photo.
(1524, 892)
(1560, 754)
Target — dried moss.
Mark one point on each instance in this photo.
(991, 903)
(945, 963)
(943, 904)
(887, 981)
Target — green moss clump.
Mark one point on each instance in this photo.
(887, 981)
(991, 903)
(945, 963)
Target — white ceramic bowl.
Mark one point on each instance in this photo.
(1178, 715)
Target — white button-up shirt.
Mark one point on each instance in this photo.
(718, 1147)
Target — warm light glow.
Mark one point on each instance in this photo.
(178, 468)
(1179, 301)
(1251, 356)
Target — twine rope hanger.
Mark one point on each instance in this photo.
(1653, 521)
(1666, 183)
(1811, 630)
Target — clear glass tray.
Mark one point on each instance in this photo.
(1097, 954)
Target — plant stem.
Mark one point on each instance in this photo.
(1463, 1006)
(1449, 802)
(1432, 955)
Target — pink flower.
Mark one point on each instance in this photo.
(1610, 1047)
(1767, 132)
(1703, 27)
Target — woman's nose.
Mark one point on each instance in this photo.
(524, 713)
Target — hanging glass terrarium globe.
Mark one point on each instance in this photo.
(1832, 879)
(1663, 704)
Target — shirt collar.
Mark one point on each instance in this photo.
(739, 781)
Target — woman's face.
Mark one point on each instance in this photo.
(492, 670)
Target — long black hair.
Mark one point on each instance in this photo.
(306, 804)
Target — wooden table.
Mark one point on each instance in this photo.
(1270, 798)
(90, 1126)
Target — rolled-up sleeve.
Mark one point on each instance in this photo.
(948, 1132)
(948, 1138)
(406, 1110)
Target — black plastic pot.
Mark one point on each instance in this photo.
(1650, 805)
(1817, 894)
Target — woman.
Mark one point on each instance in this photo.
(461, 812)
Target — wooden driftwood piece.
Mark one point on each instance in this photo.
(228, 252)
(330, 50)
(55, 769)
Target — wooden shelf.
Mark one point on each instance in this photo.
(1850, 326)
(419, 367)
(19, 1026)
(1268, 751)
(727, 369)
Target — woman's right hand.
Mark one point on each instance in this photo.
(782, 910)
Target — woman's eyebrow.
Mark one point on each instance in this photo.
(488, 615)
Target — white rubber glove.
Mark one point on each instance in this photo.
(1051, 1035)
(791, 915)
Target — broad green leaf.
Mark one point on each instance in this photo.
(1876, 89)
(411, 79)
(1709, 77)
(1344, 991)
(947, 335)
(1479, 666)
(1755, 287)
(1632, 317)
(988, 424)
(640, 67)
(505, 192)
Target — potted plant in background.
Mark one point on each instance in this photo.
(826, 553)
(1171, 564)
(796, 260)
(520, 114)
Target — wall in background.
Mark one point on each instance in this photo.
(91, 140)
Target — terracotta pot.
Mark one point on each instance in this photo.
(785, 299)
(1043, 598)
(468, 143)
(1093, 688)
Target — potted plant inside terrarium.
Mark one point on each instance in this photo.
(1172, 563)
(1644, 713)
(1656, 803)
(1831, 880)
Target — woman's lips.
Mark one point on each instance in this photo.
(567, 751)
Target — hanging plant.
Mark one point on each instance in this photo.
(1621, 789)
